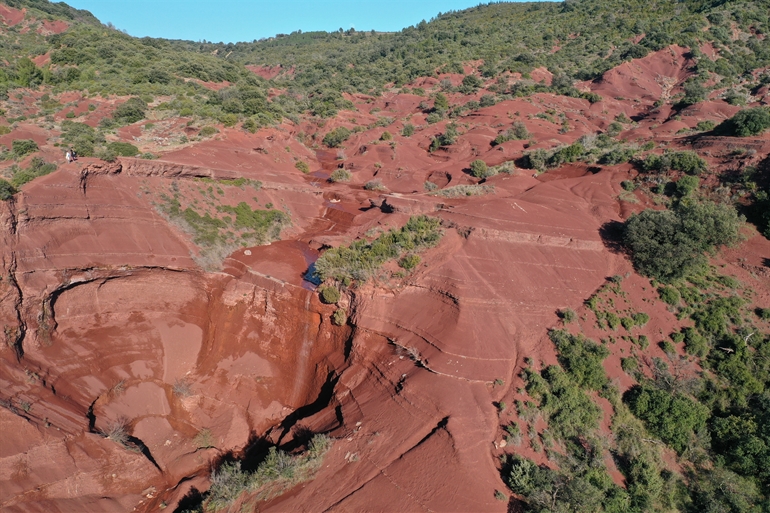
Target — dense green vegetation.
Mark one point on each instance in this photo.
(361, 259)
(515, 37)
(592, 36)
(711, 408)
(581, 481)
(674, 418)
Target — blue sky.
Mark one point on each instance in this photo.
(246, 20)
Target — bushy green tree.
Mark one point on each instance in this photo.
(6, 190)
(336, 137)
(130, 111)
(746, 123)
(440, 103)
(479, 168)
(669, 244)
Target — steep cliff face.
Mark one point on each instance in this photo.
(110, 325)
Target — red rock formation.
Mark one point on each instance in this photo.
(110, 321)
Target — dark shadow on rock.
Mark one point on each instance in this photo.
(322, 401)
(190, 502)
(611, 233)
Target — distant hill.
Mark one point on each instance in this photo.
(577, 40)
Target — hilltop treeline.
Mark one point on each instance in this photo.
(575, 40)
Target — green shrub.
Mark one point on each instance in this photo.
(571, 412)
(130, 111)
(629, 365)
(667, 347)
(628, 185)
(669, 295)
(568, 315)
(569, 153)
(5, 129)
(446, 139)
(487, 100)
(207, 131)
(518, 131)
(336, 137)
(460, 191)
(687, 185)
(613, 321)
(229, 119)
(686, 161)
(340, 175)
(106, 154)
(614, 129)
(81, 137)
(440, 103)
(362, 258)
(581, 358)
(6, 190)
(278, 472)
(23, 147)
(250, 125)
(536, 159)
(123, 149)
(705, 126)
(627, 323)
(408, 130)
(746, 123)
(479, 168)
(641, 318)
(302, 166)
(470, 84)
(330, 295)
(694, 92)
(339, 317)
(695, 344)
(409, 262)
(386, 136)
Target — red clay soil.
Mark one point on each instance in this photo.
(11, 16)
(49, 27)
(110, 320)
